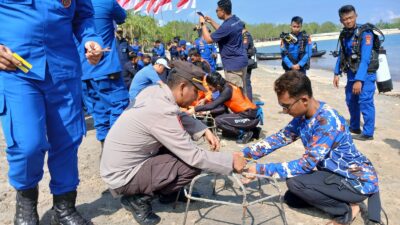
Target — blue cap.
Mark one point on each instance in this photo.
(182, 42)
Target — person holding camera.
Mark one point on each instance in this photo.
(228, 35)
(296, 47)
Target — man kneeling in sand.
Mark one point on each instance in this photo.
(132, 164)
(332, 175)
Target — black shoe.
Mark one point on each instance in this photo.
(171, 198)
(65, 211)
(362, 137)
(256, 132)
(358, 131)
(245, 138)
(140, 207)
(26, 207)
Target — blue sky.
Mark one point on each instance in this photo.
(281, 11)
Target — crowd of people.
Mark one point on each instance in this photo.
(71, 58)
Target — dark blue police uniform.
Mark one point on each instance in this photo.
(364, 102)
(292, 53)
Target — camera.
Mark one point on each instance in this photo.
(289, 38)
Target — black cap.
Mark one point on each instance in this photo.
(190, 72)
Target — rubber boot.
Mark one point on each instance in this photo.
(26, 207)
(65, 211)
(140, 207)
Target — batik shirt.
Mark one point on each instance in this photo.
(328, 146)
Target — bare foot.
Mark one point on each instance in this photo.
(355, 209)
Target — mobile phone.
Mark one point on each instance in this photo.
(200, 14)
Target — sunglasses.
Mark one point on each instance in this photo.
(287, 107)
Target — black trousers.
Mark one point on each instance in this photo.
(234, 123)
(162, 174)
(326, 191)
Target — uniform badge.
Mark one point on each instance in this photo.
(66, 3)
(368, 39)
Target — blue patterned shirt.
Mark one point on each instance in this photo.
(329, 146)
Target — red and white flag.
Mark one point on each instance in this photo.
(124, 3)
(162, 5)
(139, 5)
(150, 6)
(184, 4)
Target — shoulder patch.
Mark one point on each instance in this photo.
(368, 38)
(309, 40)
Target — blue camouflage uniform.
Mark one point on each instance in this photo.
(364, 102)
(294, 50)
(41, 111)
(329, 146)
(206, 51)
(104, 93)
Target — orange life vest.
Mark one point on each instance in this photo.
(238, 102)
(201, 94)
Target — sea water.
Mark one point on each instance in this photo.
(328, 62)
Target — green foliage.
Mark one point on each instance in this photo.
(385, 25)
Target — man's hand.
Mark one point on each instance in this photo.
(357, 87)
(212, 140)
(208, 19)
(190, 111)
(336, 81)
(94, 52)
(238, 162)
(201, 102)
(296, 67)
(248, 178)
(7, 61)
(202, 19)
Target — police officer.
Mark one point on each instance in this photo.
(296, 47)
(158, 50)
(122, 45)
(133, 164)
(136, 48)
(41, 100)
(360, 87)
(182, 50)
(104, 92)
(228, 35)
(207, 51)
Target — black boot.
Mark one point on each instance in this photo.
(140, 207)
(65, 211)
(26, 207)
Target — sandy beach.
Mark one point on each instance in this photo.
(103, 209)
